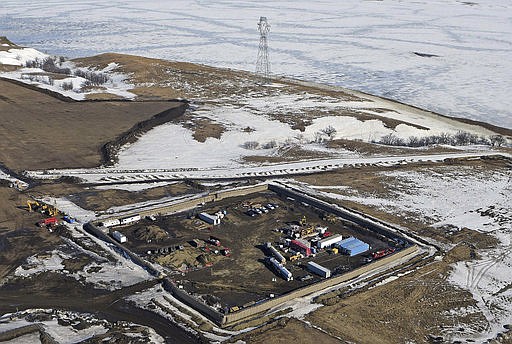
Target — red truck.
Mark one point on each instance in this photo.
(51, 221)
(382, 253)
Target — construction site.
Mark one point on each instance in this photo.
(240, 251)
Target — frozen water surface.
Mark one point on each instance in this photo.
(448, 56)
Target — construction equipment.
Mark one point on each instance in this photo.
(382, 253)
(294, 257)
(308, 231)
(331, 218)
(50, 210)
(213, 241)
(32, 205)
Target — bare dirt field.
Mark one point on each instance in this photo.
(242, 277)
(19, 235)
(287, 331)
(161, 79)
(51, 290)
(409, 309)
(50, 133)
(100, 199)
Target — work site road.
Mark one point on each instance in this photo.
(111, 306)
(121, 176)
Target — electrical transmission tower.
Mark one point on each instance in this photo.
(263, 64)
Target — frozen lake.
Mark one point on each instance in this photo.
(453, 57)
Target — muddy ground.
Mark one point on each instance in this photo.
(50, 290)
(50, 133)
(286, 331)
(19, 235)
(242, 277)
(20, 238)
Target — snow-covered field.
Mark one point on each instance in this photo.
(464, 197)
(365, 45)
(172, 145)
(36, 76)
(104, 275)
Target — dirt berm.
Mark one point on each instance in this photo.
(110, 149)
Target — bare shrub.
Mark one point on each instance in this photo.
(330, 131)
(269, 145)
(93, 78)
(67, 86)
(251, 145)
(461, 138)
(48, 65)
(497, 140)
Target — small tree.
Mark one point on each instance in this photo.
(269, 145)
(330, 131)
(251, 145)
(67, 86)
(462, 138)
(413, 141)
(497, 140)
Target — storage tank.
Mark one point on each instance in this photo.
(273, 251)
(284, 272)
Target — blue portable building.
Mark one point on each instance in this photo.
(353, 246)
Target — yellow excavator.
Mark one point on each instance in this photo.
(308, 231)
(330, 218)
(50, 210)
(33, 205)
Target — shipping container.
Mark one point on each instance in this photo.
(210, 219)
(328, 242)
(119, 237)
(319, 269)
(301, 247)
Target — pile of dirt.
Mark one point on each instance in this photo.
(150, 234)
